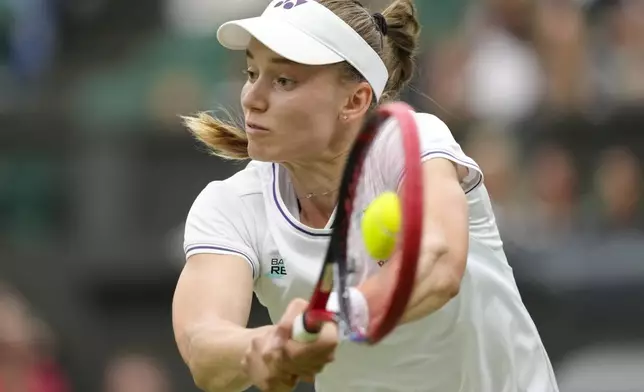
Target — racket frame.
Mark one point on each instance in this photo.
(385, 317)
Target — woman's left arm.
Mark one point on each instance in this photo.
(444, 245)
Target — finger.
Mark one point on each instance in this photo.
(329, 338)
(330, 333)
(271, 357)
(308, 376)
(308, 364)
(283, 383)
(298, 358)
(301, 358)
(294, 309)
(256, 344)
(268, 378)
(274, 359)
(272, 342)
(274, 386)
(247, 353)
(247, 359)
(277, 340)
(268, 351)
(280, 388)
(310, 369)
(290, 366)
(327, 342)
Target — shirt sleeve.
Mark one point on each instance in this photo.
(436, 141)
(218, 223)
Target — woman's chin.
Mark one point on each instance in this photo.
(265, 152)
(262, 153)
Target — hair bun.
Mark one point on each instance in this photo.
(381, 22)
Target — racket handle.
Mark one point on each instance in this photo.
(300, 333)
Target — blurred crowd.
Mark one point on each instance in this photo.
(29, 363)
(515, 64)
(546, 95)
(25, 349)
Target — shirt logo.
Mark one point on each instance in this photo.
(278, 270)
(287, 5)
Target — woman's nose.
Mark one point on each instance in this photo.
(255, 96)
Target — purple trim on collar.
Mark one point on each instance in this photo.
(285, 215)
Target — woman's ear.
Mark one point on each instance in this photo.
(358, 102)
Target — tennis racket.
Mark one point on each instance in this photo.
(347, 263)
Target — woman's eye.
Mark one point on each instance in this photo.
(284, 82)
(251, 75)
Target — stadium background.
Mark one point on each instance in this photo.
(97, 174)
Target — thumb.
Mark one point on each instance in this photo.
(285, 325)
(294, 309)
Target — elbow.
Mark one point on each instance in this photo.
(451, 287)
(447, 273)
(453, 271)
(201, 379)
(208, 372)
(205, 379)
(447, 268)
(190, 356)
(206, 383)
(201, 382)
(433, 292)
(200, 369)
(445, 287)
(209, 385)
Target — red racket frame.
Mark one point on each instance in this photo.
(385, 314)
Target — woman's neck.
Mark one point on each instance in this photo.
(317, 181)
(316, 185)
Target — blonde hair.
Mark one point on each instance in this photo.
(397, 49)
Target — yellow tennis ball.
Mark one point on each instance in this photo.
(380, 225)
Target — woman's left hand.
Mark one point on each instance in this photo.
(305, 359)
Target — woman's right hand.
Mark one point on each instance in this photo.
(274, 362)
(265, 364)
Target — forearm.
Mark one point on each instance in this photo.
(434, 285)
(215, 354)
(445, 241)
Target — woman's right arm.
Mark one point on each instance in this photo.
(210, 310)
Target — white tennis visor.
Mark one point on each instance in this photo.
(307, 32)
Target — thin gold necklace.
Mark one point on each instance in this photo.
(310, 195)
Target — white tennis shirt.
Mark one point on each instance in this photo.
(483, 340)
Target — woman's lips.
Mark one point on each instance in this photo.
(254, 128)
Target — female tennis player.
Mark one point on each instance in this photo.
(315, 71)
